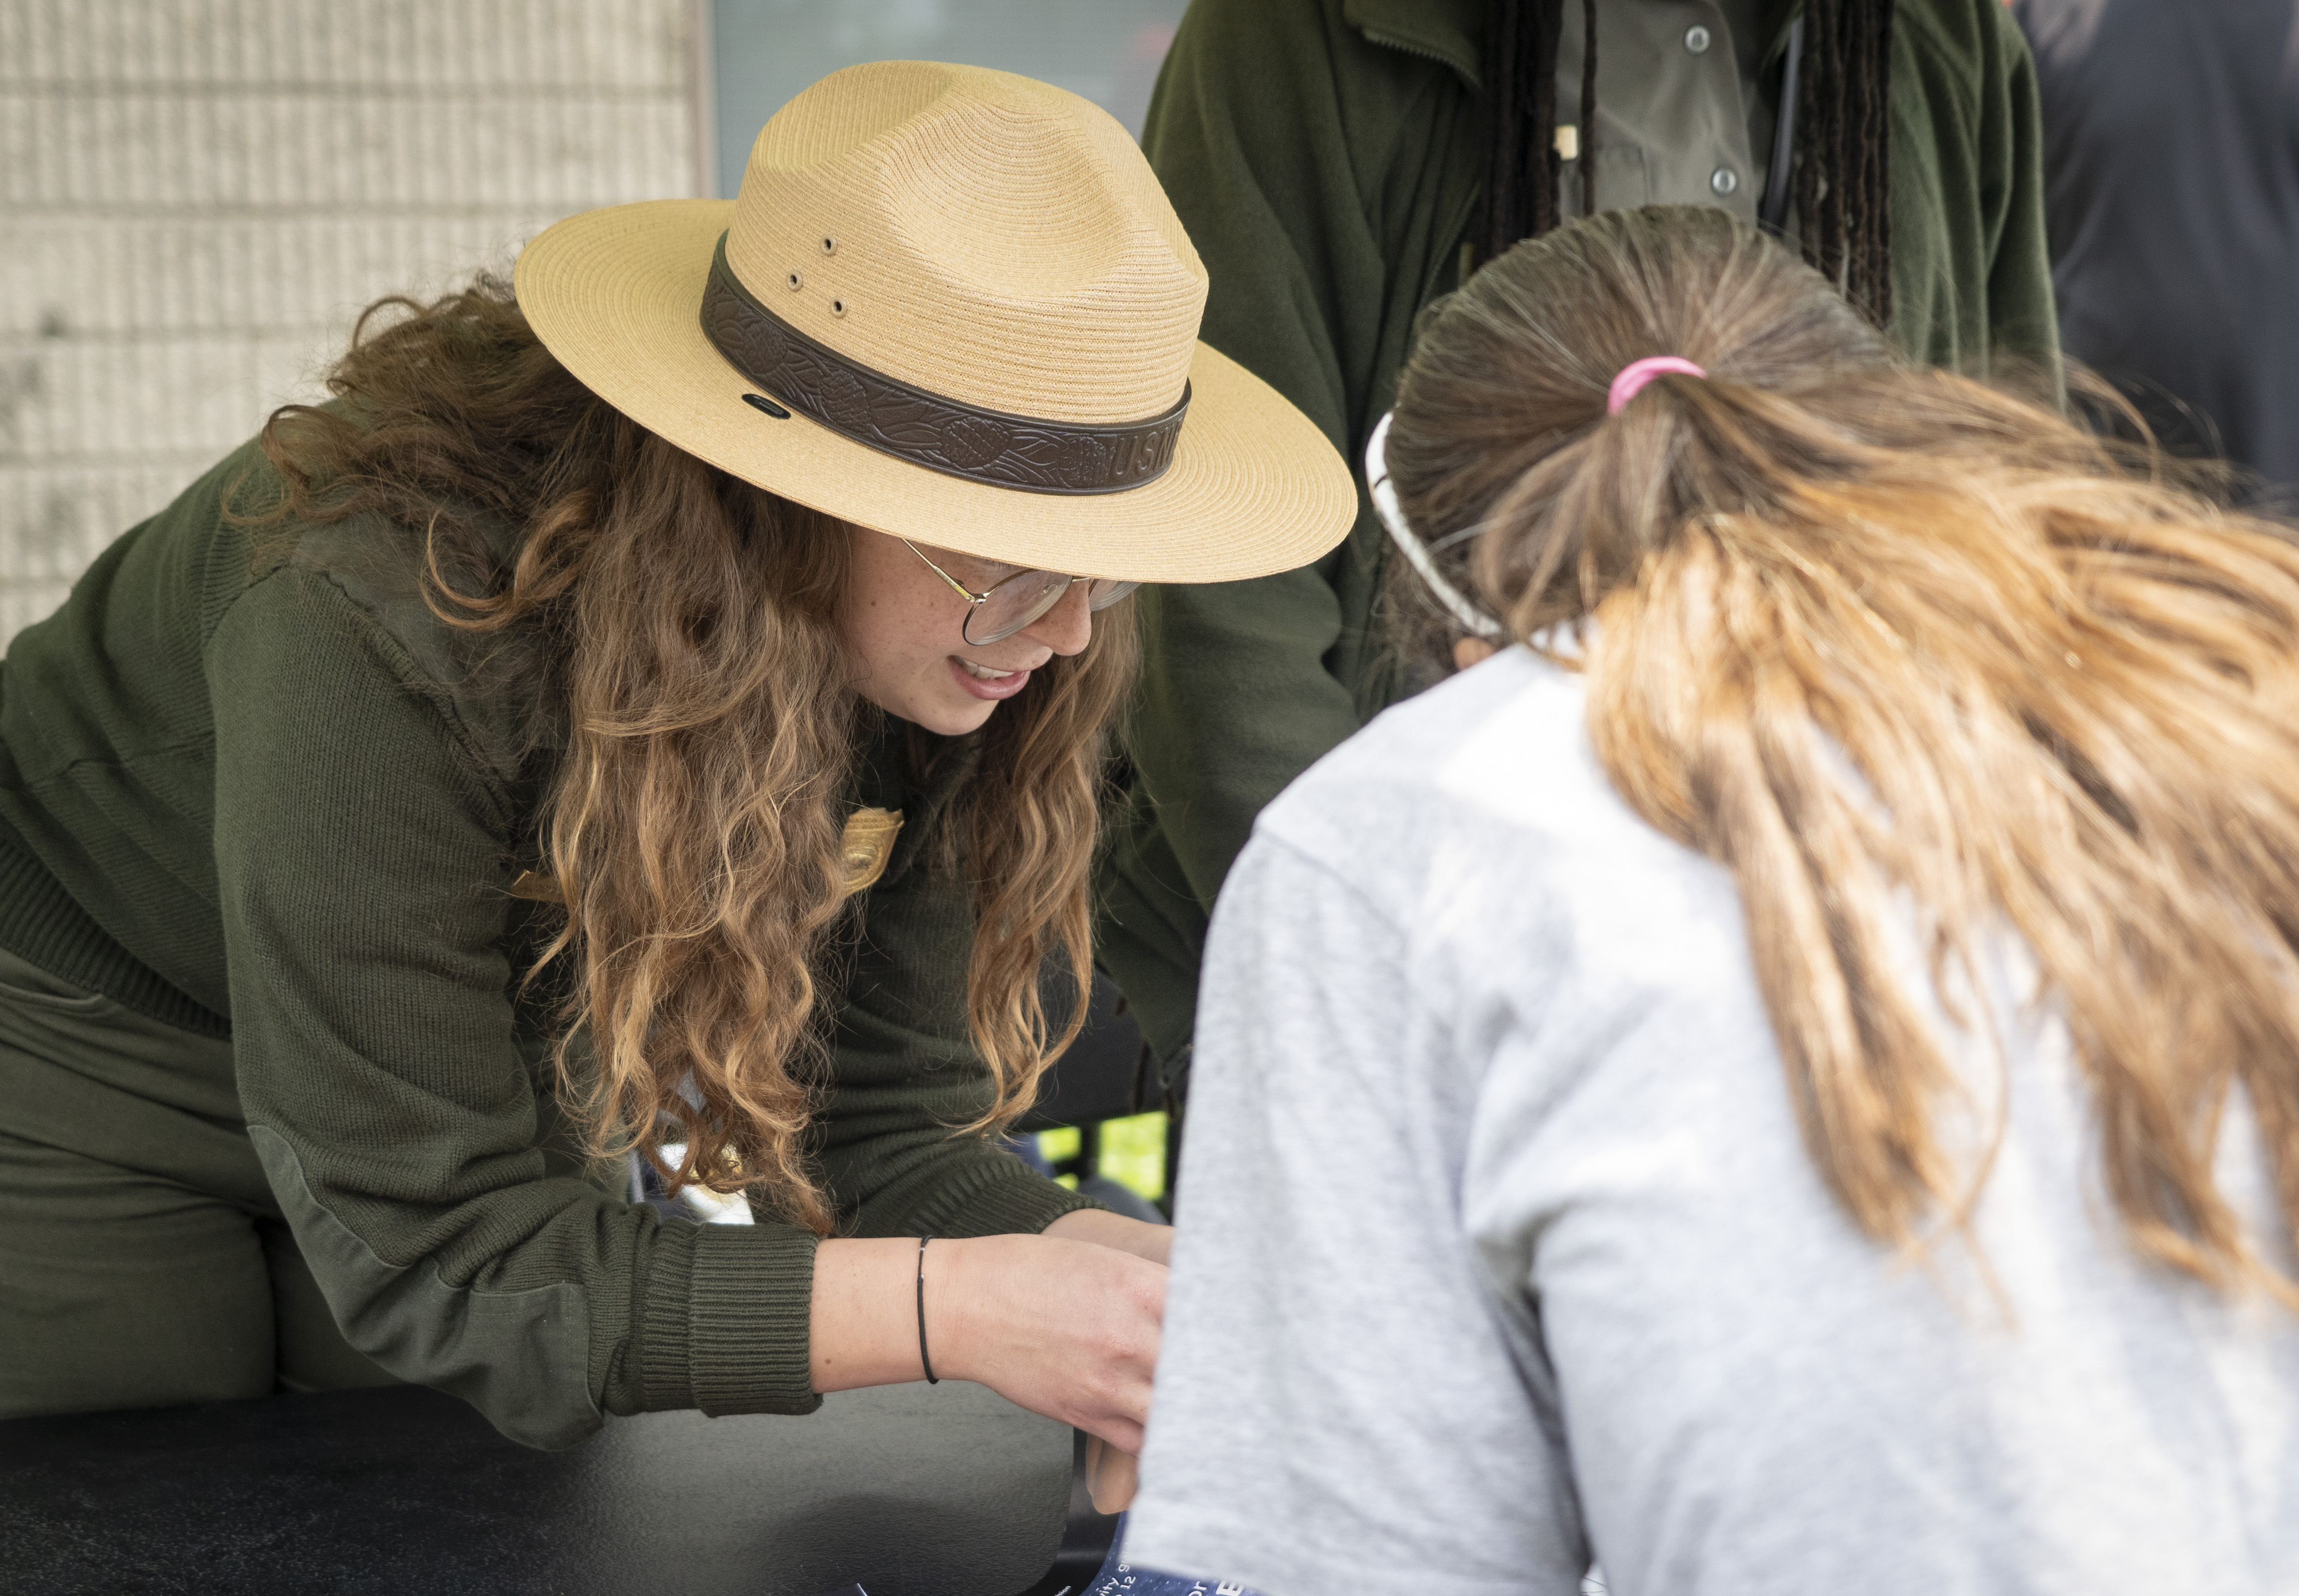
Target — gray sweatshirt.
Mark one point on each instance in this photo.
(1500, 1251)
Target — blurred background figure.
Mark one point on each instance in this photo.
(1341, 163)
(2171, 189)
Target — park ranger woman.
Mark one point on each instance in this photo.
(662, 710)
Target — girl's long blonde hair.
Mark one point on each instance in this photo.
(684, 624)
(2070, 684)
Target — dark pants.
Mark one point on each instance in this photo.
(142, 1261)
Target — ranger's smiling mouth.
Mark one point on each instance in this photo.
(982, 673)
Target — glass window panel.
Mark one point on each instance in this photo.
(765, 51)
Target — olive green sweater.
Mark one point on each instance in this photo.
(249, 786)
(1326, 158)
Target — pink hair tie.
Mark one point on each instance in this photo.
(1635, 374)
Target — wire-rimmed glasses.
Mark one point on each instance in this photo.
(1011, 603)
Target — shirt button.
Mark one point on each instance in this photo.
(1696, 39)
(1722, 181)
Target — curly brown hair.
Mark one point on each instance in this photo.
(683, 622)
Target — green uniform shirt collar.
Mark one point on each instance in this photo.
(1444, 30)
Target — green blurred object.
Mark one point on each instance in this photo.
(1134, 1153)
(1130, 1151)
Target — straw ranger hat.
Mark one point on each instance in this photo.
(954, 305)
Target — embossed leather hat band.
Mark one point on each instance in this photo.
(928, 429)
(950, 305)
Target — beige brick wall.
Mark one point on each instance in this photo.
(197, 196)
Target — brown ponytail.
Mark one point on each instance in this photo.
(2069, 690)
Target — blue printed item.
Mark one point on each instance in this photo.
(1120, 1578)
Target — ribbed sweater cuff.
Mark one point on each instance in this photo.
(1001, 1195)
(727, 1312)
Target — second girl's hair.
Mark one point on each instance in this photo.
(686, 621)
(2069, 689)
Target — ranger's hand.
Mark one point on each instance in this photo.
(1066, 1328)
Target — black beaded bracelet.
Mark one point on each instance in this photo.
(923, 1361)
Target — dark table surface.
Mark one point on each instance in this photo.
(908, 1490)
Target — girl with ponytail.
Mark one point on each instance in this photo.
(1815, 1019)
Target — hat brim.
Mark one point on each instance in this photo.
(616, 295)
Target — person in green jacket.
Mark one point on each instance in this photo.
(659, 712)
(1341, 163)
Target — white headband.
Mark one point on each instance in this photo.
(1385, 505)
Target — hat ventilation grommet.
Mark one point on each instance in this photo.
(795, 281)
(830, 246)
(838, 307)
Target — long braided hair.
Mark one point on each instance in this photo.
(1841, 168)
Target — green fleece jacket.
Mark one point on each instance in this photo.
(253, 787)
(1325, 156)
